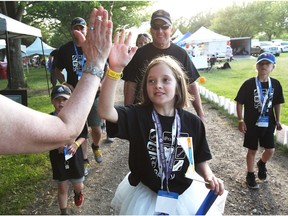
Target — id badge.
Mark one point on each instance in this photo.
(66, 153)
(263, 121)
(166, 202)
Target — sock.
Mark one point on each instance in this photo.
(95, 147)
(64, 211)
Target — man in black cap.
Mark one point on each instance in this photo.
(70, 57)
(161, 31)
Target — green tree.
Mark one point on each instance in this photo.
(16, 78)
(249, 19)
(195, 22)
(54, 18)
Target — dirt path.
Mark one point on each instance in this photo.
(228, 163)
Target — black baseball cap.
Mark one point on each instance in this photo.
(78, 21)
(61, 91)
(162, 15)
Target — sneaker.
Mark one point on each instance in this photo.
(251, 182)
(78, 199)
(86, 167)
(109, 140)
(262, 171)
(97, 153)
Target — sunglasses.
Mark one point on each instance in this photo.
(157, 26)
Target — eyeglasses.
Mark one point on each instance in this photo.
(157, 26)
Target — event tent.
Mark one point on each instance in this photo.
(36, 48)
(11, 28)
(3, 46)
(181, 39)
(203, 35)
(177, 34)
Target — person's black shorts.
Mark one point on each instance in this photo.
(263, 136)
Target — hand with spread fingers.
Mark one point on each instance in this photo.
(122, 52)
(98, 42)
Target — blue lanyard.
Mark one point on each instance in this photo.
(165, 165)
(79, 72)
(264, 99)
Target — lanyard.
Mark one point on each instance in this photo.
(263, 98)
(79, 72)
(165, 165)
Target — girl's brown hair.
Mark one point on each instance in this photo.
(182, 95)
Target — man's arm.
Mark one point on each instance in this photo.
(59, 75)
(129, 92)
(197, 103)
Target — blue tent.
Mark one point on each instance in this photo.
(178, 40)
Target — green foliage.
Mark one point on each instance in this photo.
(254, 19)
(54, 17)
(22, 175)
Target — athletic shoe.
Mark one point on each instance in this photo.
(78, 199)
(86, 167)
(97, 153)
(109, 140)
(251, 182)
(262, 171)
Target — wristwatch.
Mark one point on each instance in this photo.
(94, 71)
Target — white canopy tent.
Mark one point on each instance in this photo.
(13, 29)
(10, 28)
(177, 34)
(203, 35)
(36, 48)
(213, 43)
(3, 46)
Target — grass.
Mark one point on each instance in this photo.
(227, 82)
(22, 176)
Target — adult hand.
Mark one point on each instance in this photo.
(121, 53)
(98, 42)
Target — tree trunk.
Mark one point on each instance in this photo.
(16, 77)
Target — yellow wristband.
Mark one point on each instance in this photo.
(77, 143)
(241, 120)
(114, 75)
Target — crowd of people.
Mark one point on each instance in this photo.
(168, 148)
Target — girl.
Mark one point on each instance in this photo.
(157, 161)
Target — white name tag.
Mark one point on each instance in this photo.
(166, 202)
(263, 121)
(66, 153)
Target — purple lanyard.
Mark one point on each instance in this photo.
(165, 165)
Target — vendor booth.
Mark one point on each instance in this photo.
(207, 43)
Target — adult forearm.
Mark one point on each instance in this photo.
(197, 102)
(129, 92)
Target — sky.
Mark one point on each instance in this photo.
(185, 8)
(189, 8)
